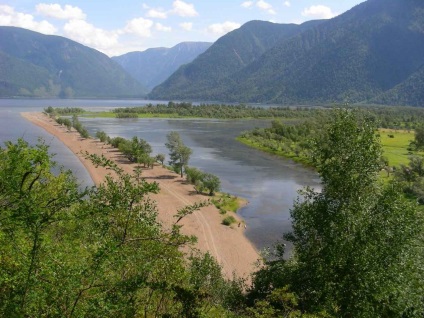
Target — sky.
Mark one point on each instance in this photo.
(117, 27)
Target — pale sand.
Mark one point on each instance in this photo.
(228, 245)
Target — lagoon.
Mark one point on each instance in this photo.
(269, 183)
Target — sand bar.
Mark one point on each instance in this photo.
(229, 245)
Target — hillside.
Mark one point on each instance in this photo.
(228, 55)
(355, 57)
(152, 66)
(37, 65)
(409, 92)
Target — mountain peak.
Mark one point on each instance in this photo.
(37, 65)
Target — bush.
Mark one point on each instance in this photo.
(229, 220)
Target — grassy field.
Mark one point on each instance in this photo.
(395, 144)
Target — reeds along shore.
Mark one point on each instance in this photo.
(228, 245)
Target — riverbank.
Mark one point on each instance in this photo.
(228, 245)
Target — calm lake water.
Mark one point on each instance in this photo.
(269, 183)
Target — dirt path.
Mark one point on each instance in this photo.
(228, 244)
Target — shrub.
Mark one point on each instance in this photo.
(229, 220)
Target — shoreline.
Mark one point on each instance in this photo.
(228, 245)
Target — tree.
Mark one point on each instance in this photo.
(34, 203)
(100, 252)
(356, 242)
(419, 137)
(160, 157)
(179, 153)
(101, 135)
(211, 183)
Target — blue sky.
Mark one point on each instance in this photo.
(117, 27)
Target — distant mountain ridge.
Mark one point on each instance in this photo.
(375, 49)
(152, 66)
(38, 65)
(228, 55)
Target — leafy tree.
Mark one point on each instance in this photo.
(33, 204)
(101, 135)
(178, 152)
(211, 183)
(419, 137)
(355, 241)
(411, 177)
(98, 252)
(160, 157)
(193, 174)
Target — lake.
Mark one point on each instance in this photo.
(269, 183)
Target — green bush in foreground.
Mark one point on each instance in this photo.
(95, 253)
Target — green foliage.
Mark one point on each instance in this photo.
(347, 263)
(372, 53)
(97, 252)
(38, 65)
(291, 138)
(203, 181)
(216, 111)
(126, 115)
(211, 183)
(226, 202)
(193, 175)
(64, 111)
(101, 135)
(229, 220)
(207, 75)
(411, 177)
(179, 154)
(419, 137)
(160, 157)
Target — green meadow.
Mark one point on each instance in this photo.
(395, 145)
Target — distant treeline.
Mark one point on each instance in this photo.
(220, 111)
(63, 111)
(291, 138)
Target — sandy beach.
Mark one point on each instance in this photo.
(228, 245)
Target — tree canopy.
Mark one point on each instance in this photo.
(356, 241)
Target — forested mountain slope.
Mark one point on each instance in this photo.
(37, 65)
(355, 57)
(409, 92)
(203, 77)
(152, 66)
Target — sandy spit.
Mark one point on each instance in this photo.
(228, 245)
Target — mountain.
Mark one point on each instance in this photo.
(38, 65)
(153, 66)
(228, 55)
(409, 92)
(355, 57)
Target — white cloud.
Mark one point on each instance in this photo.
(261, 4)
(184, 9)
(156, 13)
(85, 33)
(145, 6)
(319, 12)
(9, 17)
(68, 12)
(247, 4)
(287, 3)
(161, 27)
(139, 26)
(222, 28)
(186, 26)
